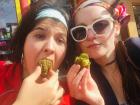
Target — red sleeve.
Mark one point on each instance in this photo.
(10, 82)
(67, 100)
(8, 97)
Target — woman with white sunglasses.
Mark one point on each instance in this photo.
(113, 79)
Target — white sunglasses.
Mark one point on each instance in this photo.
(100, 27)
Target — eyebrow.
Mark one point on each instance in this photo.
(104, 16)
(92, 21)
(39, 28)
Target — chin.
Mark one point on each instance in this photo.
(96, 54)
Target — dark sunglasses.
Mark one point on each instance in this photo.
(100, 27)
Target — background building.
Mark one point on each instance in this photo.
(133, 28)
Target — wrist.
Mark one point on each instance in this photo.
(19, 103)
(16, 103)
(99, 101)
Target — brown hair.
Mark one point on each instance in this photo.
(29, 21)
(130, 75)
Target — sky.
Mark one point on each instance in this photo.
(7, 12)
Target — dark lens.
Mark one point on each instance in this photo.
(79, 33)
(100, 26)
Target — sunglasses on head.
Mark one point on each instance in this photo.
(101, 28)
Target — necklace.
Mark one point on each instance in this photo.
(109, 63)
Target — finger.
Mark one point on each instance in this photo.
(35, 75)
(74, 86)
(54, 75)
(89, 82)
(53, 80)
(72, 73)
(52, 72)
(78, 78)
(57, 102)
(60, 92)
(85, 79)
(58, 96)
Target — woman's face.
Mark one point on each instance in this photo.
(94, 45)
(48, 39)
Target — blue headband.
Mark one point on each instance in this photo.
(52, 13)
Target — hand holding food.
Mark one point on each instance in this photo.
(81, 84)
(48, 92)
(83, 60)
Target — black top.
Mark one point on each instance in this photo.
(103, 85)
(133, 50)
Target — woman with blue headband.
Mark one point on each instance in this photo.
(114, 75)
(42, 34)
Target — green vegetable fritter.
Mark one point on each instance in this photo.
(83, 60)
(46, 65)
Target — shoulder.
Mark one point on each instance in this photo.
(133, 50)
(7, 65)
(133, 43)
(10, 81)
(10, 75)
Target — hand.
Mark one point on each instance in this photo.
(47, 92)
(83, 87)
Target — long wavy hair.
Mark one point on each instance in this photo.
(130, 75)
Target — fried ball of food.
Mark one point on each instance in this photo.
(83, 60)
(46, 65)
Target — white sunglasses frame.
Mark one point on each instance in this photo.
(90, 26)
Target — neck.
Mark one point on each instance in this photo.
(106, 60)
(108, 63)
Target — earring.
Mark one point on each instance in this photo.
(21, 59)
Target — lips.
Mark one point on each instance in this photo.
(94, 46)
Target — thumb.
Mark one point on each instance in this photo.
(35, 75)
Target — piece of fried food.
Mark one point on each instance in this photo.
(83, 60)
(46, 65)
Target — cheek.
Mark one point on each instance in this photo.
(98, 52)
(30, 56)
(110, 43)
(60, 54)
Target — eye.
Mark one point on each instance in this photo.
(79, 33)
(100, 26)
(40, 36)
(61, 40)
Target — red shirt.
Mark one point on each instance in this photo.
(10, 83)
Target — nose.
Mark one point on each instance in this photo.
(90, 34)
(49, 46)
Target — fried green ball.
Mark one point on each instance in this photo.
(46, 65)
(83, 60)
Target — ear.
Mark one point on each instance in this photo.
(117, 29)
